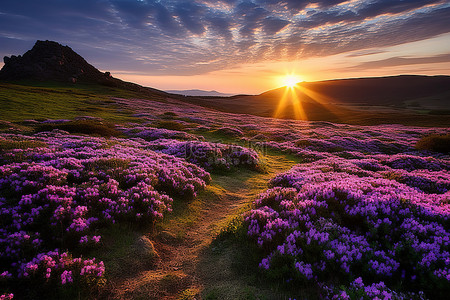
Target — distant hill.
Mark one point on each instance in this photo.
(200, 93)
(405, 99)
(386, 91)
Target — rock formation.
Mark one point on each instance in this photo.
(49, 60)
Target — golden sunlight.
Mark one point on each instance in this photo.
(290, 80)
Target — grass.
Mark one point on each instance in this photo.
(46, 100)
(184, 215)
(229, 265)
(24, 144)
(171, 125)
(92, 127)
(188, 294)
(124, 254)
(436, 143)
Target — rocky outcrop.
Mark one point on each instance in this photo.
(49, 60)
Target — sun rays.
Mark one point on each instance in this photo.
(290, 100)
(295, 95)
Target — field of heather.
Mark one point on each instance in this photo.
(321, 210)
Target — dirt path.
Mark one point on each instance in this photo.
(182, 239)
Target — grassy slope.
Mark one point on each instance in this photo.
(407, 100)
(316, 111)
(227, 268)
(42, 100)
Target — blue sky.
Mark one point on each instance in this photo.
(175, 44)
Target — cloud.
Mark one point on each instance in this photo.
(273, 25)
(402, 61)
(191, 15)
(134, 13)
(193, 37)
(298, 5)
(380, 7)
(220, 25)
(366, 52)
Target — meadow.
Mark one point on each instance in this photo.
(126, 196)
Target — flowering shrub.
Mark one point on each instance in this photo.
(341, 219)
(151, 133)
(55, 197)
(61, 267)
(431, 178)
(211, 156)
(357, 290)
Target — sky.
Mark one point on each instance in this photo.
(237, 46)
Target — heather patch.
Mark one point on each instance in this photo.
(56, 193)
(211, 156)
(152, 133)
(332, 222)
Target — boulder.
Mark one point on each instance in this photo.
(144, 251)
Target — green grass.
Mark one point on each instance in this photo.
(171, 125)
(184, 215)
(230, 264)
(24, 144)
(228, 267)
(46, 100)
(119, 253)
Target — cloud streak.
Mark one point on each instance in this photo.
(402, 61)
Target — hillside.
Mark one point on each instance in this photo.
(383, 91)
(201, 93)
(407, 99)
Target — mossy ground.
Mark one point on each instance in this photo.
(43, 100)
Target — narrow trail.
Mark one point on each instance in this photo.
(184, 268)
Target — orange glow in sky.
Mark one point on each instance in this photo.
(257, 78)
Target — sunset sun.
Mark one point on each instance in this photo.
(290, 80)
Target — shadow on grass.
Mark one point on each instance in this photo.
(229, 268)
(436, 143)
(91, 127)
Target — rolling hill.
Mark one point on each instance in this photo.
(376, 91)
(200, 93)
(406, 99)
